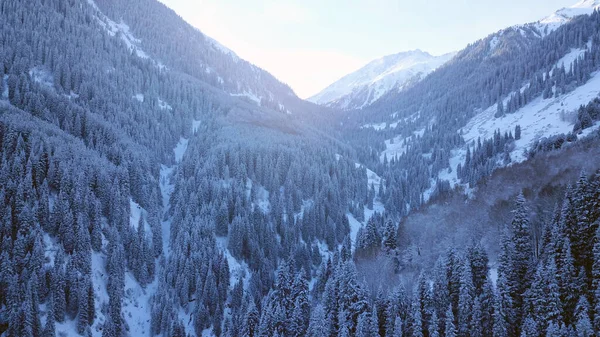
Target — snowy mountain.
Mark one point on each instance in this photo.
(380, 77)
(564, 15)
(153, 183)
(520, 77)
(366, 85)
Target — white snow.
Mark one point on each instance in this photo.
(136, 211)
(306, 204)
(376, 126)
(50, 249)
(237, 270)
(5, 87)
(139, 97)
(248, 95)
(42, 76)
(283, 108)
(494, 43)
(72, 95)
(457, 156)
(573, 55)
(164, 105)
(564, 15)
(397, 146)
(99, 278)
(180, 149)
(262, 200)
(136, 302)
(494, 276)
(394, 147)
(68, 328)
(428, 192)
(379, 77)
(374, 179)
(166, 189)
(540, 118)
(195, 125)
(137, 306)
(355, 225)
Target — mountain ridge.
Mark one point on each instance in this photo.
(364, 86)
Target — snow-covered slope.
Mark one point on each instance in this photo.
(366, 85)
(564, 15)
(540, 118)
(192, 52)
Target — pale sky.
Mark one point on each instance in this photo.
(310, 44)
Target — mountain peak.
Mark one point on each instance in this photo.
(378, 77)
(587, 4)
(564, 15)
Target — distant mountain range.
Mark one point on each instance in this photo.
(394, 73)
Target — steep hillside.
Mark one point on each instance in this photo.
(157, 32)
(118, 142)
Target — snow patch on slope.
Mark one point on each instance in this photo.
(180, 149)
(139, 97)
(5, 87)
(164, 105)
(376, 126)
(263, 202)
(166, 190)
(195, 125)
(237, 270)
(398, 146)
(457, 156)
(248, 95)
(99, 278)
(573, 55)
(42, 76)
(540, 118)
(494, 43)
(355, 225)
(137, 306)
(136, 212)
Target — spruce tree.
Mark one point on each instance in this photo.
(318, 326)
(362, 325)
(433, 326)
(398, 327)
(465, 300)
(49, 328)
(519, 274)
(529, 328)
(583, 325)
(449, 327)
(596, 281)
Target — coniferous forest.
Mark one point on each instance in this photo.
(153, 183)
